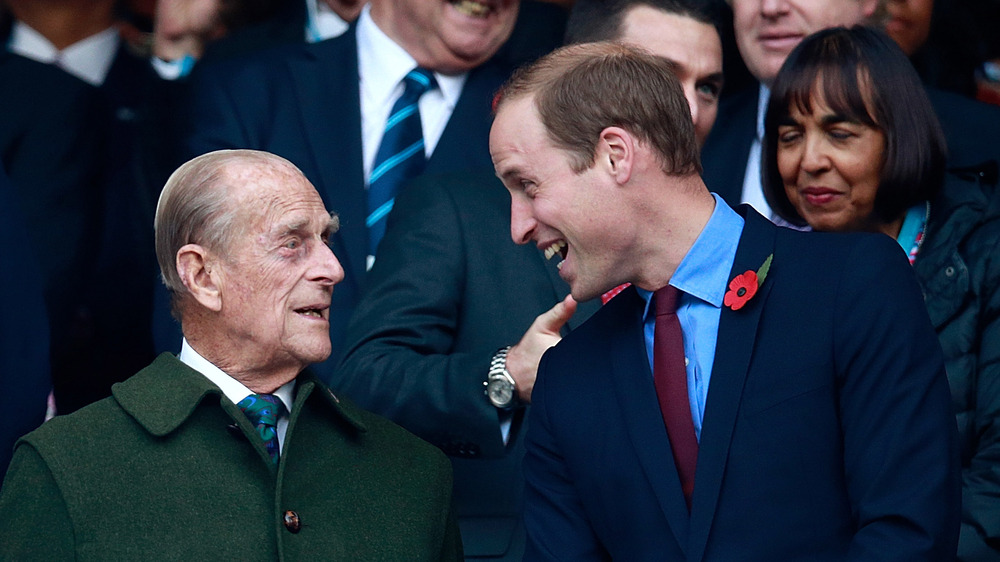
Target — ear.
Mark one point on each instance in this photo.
(868, 8)
(200, 275)
(616, 151)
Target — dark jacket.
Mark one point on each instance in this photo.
(958, 268)
(169, 469)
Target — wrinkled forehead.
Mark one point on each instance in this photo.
(268, 194)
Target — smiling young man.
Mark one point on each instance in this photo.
(231, 450)
(794, 403)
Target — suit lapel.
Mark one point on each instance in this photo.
(734, 350)
(464, 143)
(326, 86)
(633, 384)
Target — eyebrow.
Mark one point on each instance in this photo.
(834, 118)
(715, 77)
(509, 173)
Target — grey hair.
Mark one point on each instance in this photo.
(195, 207)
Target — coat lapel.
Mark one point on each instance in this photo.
(633, 383)
(326, 87)
(734, 351)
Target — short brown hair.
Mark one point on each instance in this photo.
(580, 90)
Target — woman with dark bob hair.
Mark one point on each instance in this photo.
(852, 143)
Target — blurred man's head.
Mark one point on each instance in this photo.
(767, 30)
(447, 36)
(681, 31)
(241, 237)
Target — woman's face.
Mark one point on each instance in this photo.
(830, 166)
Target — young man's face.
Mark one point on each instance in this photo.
(694, 48)
(572, 217)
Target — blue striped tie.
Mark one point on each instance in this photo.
(400, 155)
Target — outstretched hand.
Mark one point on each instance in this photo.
(523, 358)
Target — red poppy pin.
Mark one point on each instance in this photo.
(744, 286)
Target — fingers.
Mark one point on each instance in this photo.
(552, 320)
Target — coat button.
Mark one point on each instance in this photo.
(949, 271)
(292, 522)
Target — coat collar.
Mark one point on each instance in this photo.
(164, 395)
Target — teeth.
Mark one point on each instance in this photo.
(554, 249)
(472, 8)
(312, 312)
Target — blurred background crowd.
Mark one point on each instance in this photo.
(100, 100)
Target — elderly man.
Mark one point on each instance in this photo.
(405, 91)
(231, 451)
(757, 394)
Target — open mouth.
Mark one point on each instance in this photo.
(559, 248)
(313, 312)
(472, 8)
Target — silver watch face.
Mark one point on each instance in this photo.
(501, 393)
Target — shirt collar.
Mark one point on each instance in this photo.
(382, 65)
(88, 59)
(322, 22)
(762, 99)
(232, 388)
(704, 271)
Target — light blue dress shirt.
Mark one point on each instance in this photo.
(702, 277)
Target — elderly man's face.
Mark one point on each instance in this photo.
(278, 273)
(448, 36)
(768, 30)
(694, 48)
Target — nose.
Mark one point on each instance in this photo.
(772, 8)
(522, 220)
(692, 97)
(327, 269)
(814, 157)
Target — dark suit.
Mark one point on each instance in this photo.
(169, 469)
(972, 130)
(52, 144)
(827, 434)
(538, 30)
(448, 289)
(302, 103)
(24, 332)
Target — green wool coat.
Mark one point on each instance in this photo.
(168, 468)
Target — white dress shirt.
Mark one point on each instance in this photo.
(382, 65)
(753, 190)
(88, 59)
(234, 389)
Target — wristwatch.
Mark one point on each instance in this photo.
(500, 386)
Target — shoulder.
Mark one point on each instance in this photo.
(376, 435)
(275, 60)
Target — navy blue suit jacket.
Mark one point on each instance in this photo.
(24, 330)
(302, 102)
(828, 433)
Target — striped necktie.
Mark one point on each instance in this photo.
(263, 411)
(400, 156)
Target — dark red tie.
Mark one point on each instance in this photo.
(670, 379)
